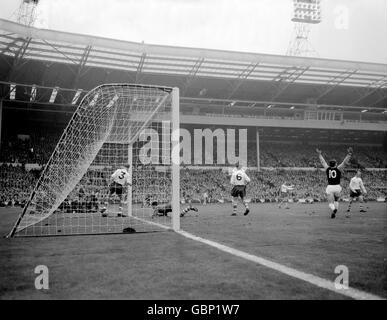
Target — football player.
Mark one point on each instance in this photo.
(356, 191)
(333, 172)
(239, 180)
(285, 195)
(164, 209)
(118, 180)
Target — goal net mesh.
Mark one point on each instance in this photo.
(114, 125)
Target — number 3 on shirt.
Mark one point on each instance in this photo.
(122, 175)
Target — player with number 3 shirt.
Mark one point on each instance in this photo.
(118, 180)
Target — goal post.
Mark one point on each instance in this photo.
(175, 159)
(130, 189)
(124, 128)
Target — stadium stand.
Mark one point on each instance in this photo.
(16, 184)
(38, 148)
(273, 155)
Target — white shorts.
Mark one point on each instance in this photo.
(333, 189)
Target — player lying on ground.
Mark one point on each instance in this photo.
(160, 210)
(333, 172)
(356, 191)
(239, 180)
(117, 181)
(285, 194)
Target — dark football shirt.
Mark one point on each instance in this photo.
(333, 175)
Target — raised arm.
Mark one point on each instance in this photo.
(247, 179)
(346, 159)
(322, 160)
(232, 179)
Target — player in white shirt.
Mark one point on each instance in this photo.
(356, 190)
(239, 180)
(285, 195)
(118, 180)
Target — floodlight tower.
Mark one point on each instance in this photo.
(306, 14)
(27, 12)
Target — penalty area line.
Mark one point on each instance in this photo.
(310, 278)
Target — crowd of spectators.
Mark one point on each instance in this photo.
(31, 148)
(265, 185)
(38, 148)
(16, 183)
(299, 155)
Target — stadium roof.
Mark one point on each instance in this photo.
(47, 58)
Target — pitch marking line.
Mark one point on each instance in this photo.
(312, 279)
(151, 222)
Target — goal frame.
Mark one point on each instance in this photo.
(175, 161)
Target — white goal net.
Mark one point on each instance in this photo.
(119, 129)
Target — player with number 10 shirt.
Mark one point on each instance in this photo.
(333, 172)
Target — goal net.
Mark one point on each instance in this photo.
(119, 129)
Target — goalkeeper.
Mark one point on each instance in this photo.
(160, 210)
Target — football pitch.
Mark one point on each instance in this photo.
(167, 265)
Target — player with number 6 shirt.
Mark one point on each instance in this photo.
(239, 180)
